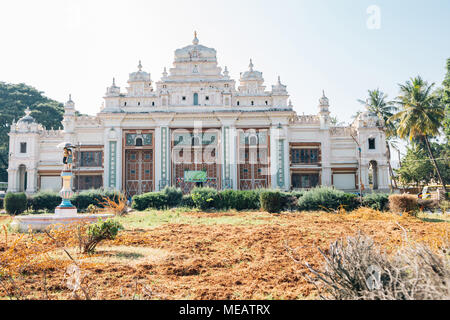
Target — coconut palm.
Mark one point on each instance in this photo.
(421, 115)
(378, 104)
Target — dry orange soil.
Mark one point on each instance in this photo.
(187, 261)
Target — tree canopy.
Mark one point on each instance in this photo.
(14, 99)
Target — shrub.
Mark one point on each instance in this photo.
(15, 203)
(238, 200)
(298, 194)
(1, 203)
(271, 201)
(289, 201)
(356, 269)
(376, 201)
(117, 205)
(187, 202)
(97, 232)
(83, 199)
(327, 198)
(174, 196)
(427, 204)
(204, 198)
(152, 200)
(400, 203)
(46, 200)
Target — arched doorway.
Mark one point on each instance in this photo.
(195, 99)
(22, 178)
(373, 175)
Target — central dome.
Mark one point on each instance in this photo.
(195, 52)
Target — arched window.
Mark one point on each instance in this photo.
(195, 99)
(139, 142)
(238, 103)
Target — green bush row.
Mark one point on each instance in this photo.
(326, 198)
(323, 198)
(170, 197)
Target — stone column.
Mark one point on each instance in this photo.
(326, 159)
(12, 180)
(162, 158)
(112, 172)
(227, 181)
(165, 157)
(278, 158)
(31, 181)
(233, 157)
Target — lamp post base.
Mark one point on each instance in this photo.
(65, 211)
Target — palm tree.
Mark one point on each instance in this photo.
(421, 115)
(378, 104)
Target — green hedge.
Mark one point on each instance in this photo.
(272, 201)
(174, 196)
(377, 201)
(239, 200)
(205, 198)
(326, 198)
(15, 203)
(187, 202)
(1, 203)
(46, 200)
(152, 200)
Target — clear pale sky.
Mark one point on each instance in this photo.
(77, 47)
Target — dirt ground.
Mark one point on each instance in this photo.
(223, 260)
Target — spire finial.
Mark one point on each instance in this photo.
(323, 93)
(165, 72)
(279, 80)
(114, 82)
(70, 97)
(140, 66)
(195, 41)
(251, 65)
(27, 111)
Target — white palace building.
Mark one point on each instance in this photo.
(194, 127)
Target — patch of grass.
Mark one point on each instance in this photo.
(153, 219)
(438, 218)
(118, 255)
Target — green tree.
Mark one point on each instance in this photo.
(446, 101)
(416, 167)
(421, 115)
(379, 104)
(14, 99)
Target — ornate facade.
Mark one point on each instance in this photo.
(194, 119)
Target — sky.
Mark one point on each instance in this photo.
(344, 47)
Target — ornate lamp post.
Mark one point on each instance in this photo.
(66, 207)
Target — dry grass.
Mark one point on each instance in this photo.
(230, 255)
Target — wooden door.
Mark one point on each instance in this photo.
(139, 172)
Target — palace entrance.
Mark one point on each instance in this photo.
(138, 162)
(253, 164)
(195, 154)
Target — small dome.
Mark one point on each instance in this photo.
(251, 74)
(139, 75)
(27, 118)
(279, 87)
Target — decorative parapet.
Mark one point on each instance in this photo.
(51, 134)
(342, 132)
(305, 119)
(88, 121)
